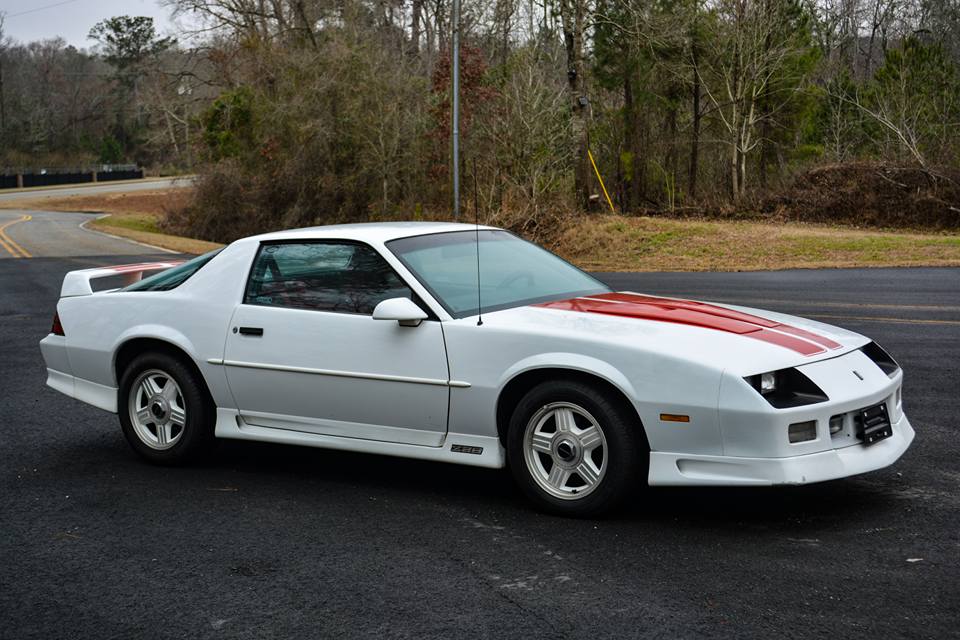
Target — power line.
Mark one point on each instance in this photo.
(43, 8)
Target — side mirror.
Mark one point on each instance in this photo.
(404, 310)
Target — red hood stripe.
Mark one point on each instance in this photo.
(807, 335)
(789, 342)
(698, 314)
(700, 307)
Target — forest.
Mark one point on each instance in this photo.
(300, 112)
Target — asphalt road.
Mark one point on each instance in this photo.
(29, 234)
(94, 188)
(271, 541)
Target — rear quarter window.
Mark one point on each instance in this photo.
(173, 278)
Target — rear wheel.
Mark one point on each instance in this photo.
(573, 450)
(164, 412)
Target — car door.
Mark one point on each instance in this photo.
(304, 353)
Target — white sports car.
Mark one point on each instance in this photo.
(469, 345)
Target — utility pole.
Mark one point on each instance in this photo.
(456, 109)
(3, 103)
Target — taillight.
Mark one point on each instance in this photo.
(57, 328)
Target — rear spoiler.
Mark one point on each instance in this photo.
(77, 283)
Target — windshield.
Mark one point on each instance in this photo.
(513, 272)
(171, 278)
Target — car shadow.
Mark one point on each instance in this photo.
(487, 490)
(373, 472)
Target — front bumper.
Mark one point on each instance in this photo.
(678, 469)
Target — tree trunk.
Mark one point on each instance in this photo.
(743, 175)
(632, 191)
(572, 16)
(735, 173)
(670, 161)
(765, 148)
(503, 12)
(874, 26)
(441, 26)
(695, 128)
(417, 10)
(304, 23)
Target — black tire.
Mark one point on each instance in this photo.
(196, 435)
(625, 451)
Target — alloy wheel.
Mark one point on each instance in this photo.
(565, 450)
(157, 409)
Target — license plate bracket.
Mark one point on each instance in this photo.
(873, 424)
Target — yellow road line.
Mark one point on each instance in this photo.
(9, 249)
(882, 319)
(8, 243)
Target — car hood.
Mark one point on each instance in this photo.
(737, 339)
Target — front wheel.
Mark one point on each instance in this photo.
(164, 412)
(573, 450)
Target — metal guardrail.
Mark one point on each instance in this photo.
(18, 178)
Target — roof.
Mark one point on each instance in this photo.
(370, 231)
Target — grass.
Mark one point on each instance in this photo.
(611, 243)
(134, 229)
(144, 222)
(602, 242)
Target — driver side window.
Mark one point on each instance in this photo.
(344, 277)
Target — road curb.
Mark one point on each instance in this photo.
(83, 225)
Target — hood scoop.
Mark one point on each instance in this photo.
(698, 314)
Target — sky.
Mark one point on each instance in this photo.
(27, 20)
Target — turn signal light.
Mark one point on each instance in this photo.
(836, 424)
(57, 328)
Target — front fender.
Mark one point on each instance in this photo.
(574, 362)
(650, 397)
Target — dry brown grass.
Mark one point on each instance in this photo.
(614, 243)
(155, 202)
(174, 243)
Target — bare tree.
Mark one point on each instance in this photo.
(756, 45)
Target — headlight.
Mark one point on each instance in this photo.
(786, 388)
(768, 382)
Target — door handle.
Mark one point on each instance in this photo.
(251, 331)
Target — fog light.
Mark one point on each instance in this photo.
(802, 431)
(836, 425)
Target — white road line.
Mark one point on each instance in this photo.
(83, 225)
(885, 319)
